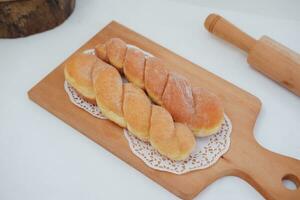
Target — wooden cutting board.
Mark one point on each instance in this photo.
(263, 169)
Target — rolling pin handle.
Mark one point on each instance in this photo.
(220, 27)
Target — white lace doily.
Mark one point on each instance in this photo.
(81, 103)
(208, 150)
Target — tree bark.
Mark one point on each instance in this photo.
(19, 18)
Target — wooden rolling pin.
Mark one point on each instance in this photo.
(265, 55)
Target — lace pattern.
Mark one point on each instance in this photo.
(208, 149)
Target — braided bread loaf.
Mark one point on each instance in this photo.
(199, 108)
(128, 106)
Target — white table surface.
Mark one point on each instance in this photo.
(43, 158)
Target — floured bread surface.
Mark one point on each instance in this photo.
(127, 104)
(165, 88)
(100, 51)
(162, 135)
(156, 77)
(186, 140)
(78, 73)
(209, 113)
(109, 91)
(178, 98)
(137, 111)
(116, 51)
(165, 135)
(134, 65)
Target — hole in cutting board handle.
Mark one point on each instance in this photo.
(290, 182)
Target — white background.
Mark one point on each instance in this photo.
(43, 158)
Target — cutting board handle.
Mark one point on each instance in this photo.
(220, 27)
(264, 169)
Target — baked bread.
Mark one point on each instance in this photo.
(199, 108)
(155, 70)
(129, 106)
(209, 112)
(78, 73)
(173, 140)
(108, 87)
(137, 111)
(101, 83)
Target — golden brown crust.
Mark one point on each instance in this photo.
(100, 51)
(137, 111)
(116, 51)
(138, 114)
(156, 77)
(178, 98)
(91, 101)
(172, 91)
(128, 106)
(186, 140)
(109, 91)
(162, 135)
(78, 73)
(134, 65)
(209, 113)
(175, 141)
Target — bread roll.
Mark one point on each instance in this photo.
(78, 73)
(201, 110)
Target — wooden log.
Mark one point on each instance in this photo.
(19, 18)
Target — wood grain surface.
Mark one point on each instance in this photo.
(267, 56)
(261, 168)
